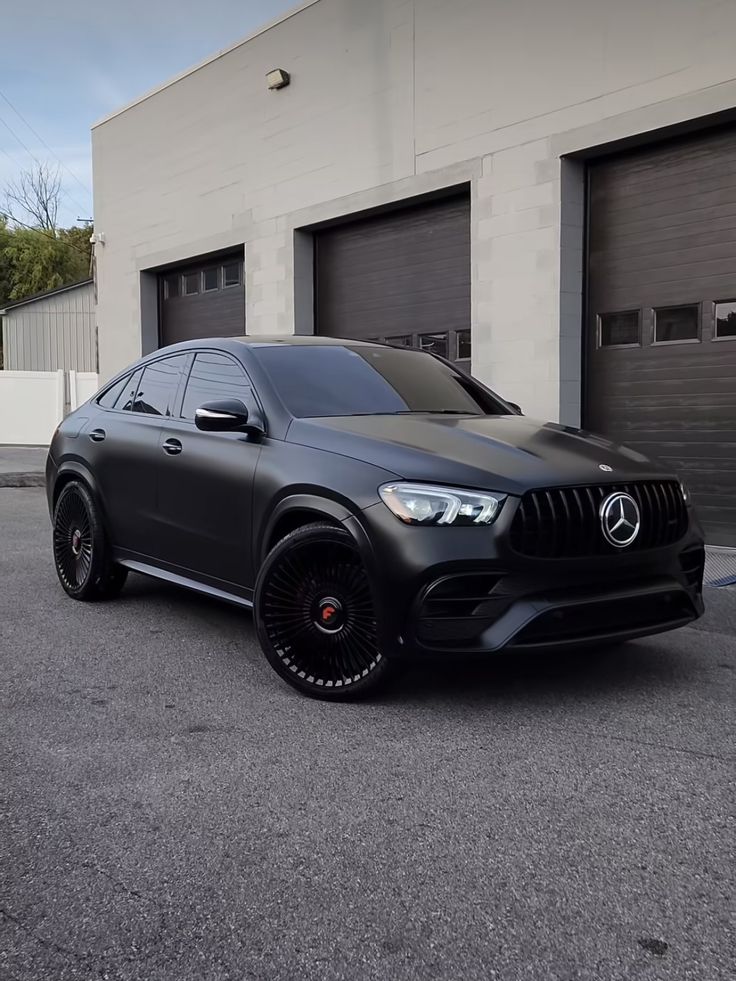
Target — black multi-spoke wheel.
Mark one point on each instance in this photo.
(81, 553)
(315, 616)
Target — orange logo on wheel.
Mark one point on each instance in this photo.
(328, 613)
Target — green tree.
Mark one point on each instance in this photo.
(35, 255)
(6, 279)
(35, 260)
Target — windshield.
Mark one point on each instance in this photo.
(347, 381)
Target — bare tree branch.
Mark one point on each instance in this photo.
(37, 192)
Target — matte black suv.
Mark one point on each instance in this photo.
(371, 503)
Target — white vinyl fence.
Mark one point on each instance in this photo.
(82, 386)
(32, 403)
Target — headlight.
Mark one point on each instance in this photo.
(685, 493)
(425, 504)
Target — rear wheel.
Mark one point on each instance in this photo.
(315, 615)
(81, 553)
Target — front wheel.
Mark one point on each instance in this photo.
(315, 616)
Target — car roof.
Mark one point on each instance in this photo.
(299, 340)
(258, 340)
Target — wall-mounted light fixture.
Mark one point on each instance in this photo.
(278, 78)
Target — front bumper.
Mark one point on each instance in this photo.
(464, 590)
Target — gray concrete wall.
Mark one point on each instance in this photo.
(392, 98)
(57, 331)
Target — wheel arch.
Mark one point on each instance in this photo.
(296, 511)
(70, 471)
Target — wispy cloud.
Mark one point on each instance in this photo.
(90, 58)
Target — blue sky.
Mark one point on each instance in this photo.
(66, 64)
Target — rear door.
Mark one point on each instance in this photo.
(124, 448)
(205, 482)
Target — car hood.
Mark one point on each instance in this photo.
(510, 453)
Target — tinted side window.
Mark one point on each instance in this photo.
(108, 399)
(157, 388)
(214, 376)
(127, 396)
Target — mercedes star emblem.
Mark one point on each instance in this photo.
(620, 519)
(605, 468)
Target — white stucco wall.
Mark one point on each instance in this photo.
(391, 98)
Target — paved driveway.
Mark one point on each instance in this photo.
(169, 810)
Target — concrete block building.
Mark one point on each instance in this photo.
(544, 192)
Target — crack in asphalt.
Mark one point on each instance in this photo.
(654, 745)
(49, 944)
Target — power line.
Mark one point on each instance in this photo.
(35, 158)
(38, 136)
(40, 231)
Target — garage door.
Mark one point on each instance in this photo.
(661, 344)
(202, 299)
(402, 276)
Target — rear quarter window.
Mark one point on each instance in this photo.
(111, 395)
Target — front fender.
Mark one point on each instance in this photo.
(321, 507)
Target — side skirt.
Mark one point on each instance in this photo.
(198, 587)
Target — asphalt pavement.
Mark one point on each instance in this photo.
(170, 810)
(22, 466)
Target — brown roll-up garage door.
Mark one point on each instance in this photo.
(205, 298)
(401, 276)
(661, 324)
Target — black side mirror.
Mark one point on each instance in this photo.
(223, 416)
(515, 407)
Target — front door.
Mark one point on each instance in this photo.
(124, 450)
(205, 483)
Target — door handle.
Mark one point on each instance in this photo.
(172, 447)
(97, 435)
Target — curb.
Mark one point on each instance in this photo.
(22, 480)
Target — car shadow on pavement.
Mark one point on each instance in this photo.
(593, 671)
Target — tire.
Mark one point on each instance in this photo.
(81, 552)
(315, 616)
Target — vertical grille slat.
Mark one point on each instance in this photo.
(554, 524)
(564, 522)
(650, 535)
(660, 504)
(568, 543)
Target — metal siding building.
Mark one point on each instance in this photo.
(544, 191)
(52, 331)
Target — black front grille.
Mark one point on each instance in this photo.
(564, 522)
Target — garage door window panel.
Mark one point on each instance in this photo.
(462, 339)
(231, 274)
(210, 280)
(677, 325)
(191, 284)
(725, 320)
(621, 328)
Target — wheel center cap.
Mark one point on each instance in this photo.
(76, 541)
(329, 614)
